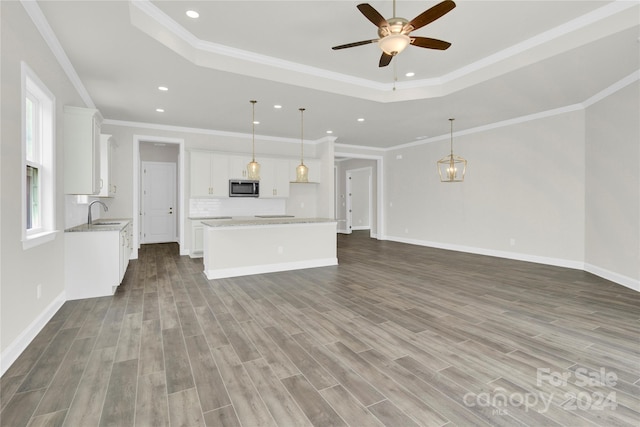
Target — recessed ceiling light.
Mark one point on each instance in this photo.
(277, 107)
(361, 119)
(193, 14)
(410, 74)
(255, 122)
(329, 131)
(163, 88)
(160, 110)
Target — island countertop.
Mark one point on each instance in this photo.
(253, 221)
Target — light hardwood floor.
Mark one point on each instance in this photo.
(396, 335)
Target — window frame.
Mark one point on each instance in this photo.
(43, 158)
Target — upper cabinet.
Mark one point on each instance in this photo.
(238, 167)
(274, 178)
(82, 150)
(209, 175)
(107, 146)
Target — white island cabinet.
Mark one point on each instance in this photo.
(244, 246)
(96, 258)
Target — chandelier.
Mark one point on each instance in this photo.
(452, 168)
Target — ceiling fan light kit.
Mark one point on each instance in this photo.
(393, 33)
(393, 44)
(452, 168)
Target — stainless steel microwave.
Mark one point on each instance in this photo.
(244, 188)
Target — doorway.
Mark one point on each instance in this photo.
(359, 199)
(344, 162)
(158, 202)
(158, 149)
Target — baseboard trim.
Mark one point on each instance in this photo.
(269, 268)
(625, 281)
(15, 349)
(576, 265)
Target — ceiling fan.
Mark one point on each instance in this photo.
(393, 33)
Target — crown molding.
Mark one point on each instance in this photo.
(631, 78)
(41, 23)
(201, 131)
(606, 20)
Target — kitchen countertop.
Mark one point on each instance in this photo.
(121, 223)
(253, 221)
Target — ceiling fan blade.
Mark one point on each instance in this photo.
(385, 60)
(432, 14)
(430, 43)
(344, 46)
(372, 15)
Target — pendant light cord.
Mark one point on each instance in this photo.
(301, 135)
(451, 141)
(253, 131)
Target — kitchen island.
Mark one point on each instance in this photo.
(249, 245)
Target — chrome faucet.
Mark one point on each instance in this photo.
(91, 204)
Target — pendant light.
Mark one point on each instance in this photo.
(253, 168)
(452, 168)
(302, 171)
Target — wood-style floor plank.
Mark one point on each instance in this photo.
(120, 401)
(184, 409)
(151, 401)
(395, 335)
(86, 407)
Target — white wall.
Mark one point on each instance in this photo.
(22, 270)
(612, 233)
(524, 182)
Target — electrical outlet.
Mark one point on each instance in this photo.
(280, 249)
(301, 205)
(406, 230)
(512, 241)
(38, 291)
(399, 157)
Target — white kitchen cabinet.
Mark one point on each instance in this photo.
(107, 146)
(274, 178)
(238, 167)
(209, 174)
(81, 150)
(96, 261)
(314, 169)
(197, 244)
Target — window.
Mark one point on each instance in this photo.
(38, 183)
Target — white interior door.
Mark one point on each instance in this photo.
(159, 202)
(348, 207)
(360, 192)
